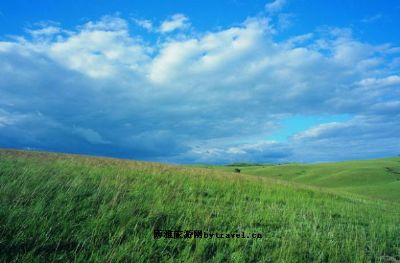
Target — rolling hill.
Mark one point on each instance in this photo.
(378, 178)
(70, 208)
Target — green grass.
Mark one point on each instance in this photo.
(66, 208)
(377, 179)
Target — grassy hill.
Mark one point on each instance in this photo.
(371, 178)
(67, 208)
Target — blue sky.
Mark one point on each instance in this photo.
(202, 81)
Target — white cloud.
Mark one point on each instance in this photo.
(6, 118)
(212, 53)
(372, 19)
(177, 21)
(321, 130)
(364, 136)
(45, 31)
(106, 23)
(275, 6)
(380, 82)
(99, 49)
(248, 152)
(144, 23)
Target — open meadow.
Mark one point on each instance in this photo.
(69, 208)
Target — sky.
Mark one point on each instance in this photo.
(202, 81)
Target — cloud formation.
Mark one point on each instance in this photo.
(175, 22)
(144, 23)
(372, 19)
(275, 6)
(213, 96)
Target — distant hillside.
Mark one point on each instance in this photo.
(69, 208)
(371, 178)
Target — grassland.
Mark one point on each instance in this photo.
(66, 208)
(376, 179)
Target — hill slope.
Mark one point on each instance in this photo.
(371, 178)
(67, 208)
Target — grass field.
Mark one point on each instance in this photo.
(377, 179)
(66, 208)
